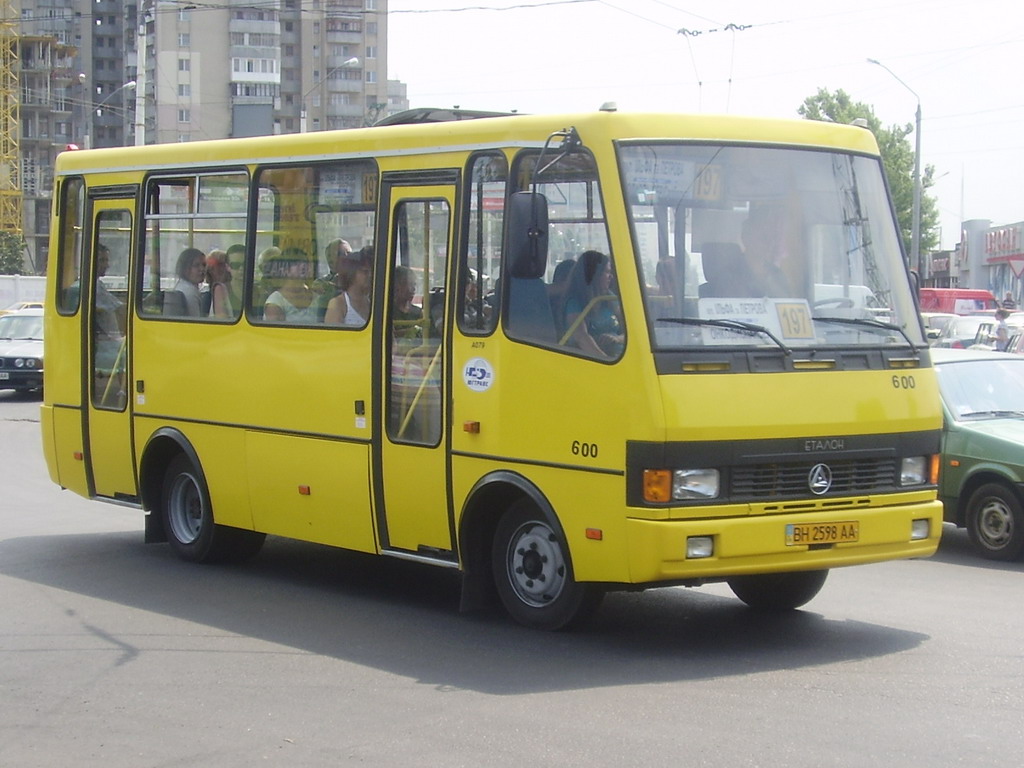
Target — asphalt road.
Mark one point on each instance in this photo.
(114, 653)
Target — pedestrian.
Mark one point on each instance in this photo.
(1002, 334)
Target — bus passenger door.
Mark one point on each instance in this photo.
(108, 414)
(412, 482)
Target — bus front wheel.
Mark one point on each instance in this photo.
(533, 574)
(778, 591)
(188, 519)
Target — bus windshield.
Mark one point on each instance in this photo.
(762, 246)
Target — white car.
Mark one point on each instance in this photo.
(21, 350)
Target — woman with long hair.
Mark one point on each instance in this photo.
(591, 310)
(355, 278)
(191, 269)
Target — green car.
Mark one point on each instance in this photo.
(981, 482)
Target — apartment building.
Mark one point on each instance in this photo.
(107, 73)
(244, 69)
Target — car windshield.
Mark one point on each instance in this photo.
(984, 388)
(964, 328)
(21, 327)
(744, 246)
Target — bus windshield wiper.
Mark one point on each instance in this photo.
(870, 324)
(733, 325)
(994, 414)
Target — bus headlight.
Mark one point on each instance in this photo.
(914, 471)
(695, 484)
(662, 485)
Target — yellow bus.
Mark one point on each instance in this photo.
(558, 354)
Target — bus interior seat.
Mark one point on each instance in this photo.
(529, 307)
(174, 304)
(529, 310)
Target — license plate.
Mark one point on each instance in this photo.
(4, 376)
(803, 534)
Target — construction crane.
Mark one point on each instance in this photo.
(10, 128)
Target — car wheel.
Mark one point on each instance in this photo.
(533, 575)
(778, 591)
(995, 522)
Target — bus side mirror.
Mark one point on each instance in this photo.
(527, 247)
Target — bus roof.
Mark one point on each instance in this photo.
(431, 133)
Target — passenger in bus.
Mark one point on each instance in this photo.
(476, 310)
(219, 278)
(266, 277)
(352, 304)
(294, 301)
(110, 311)
(591, 310)
(765, 251)
(328, 285)
(236, 263)
(335, 251)
(406, 317)
(725, 271)
(665, 276)
(191, 270)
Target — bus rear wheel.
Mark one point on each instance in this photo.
(533, 574)
(778, 591)
(188, 519)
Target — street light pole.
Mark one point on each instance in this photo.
(353, 62)
(915, 225)
(97, 107)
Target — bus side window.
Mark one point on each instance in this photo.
(187, 218)
(72, 220)
(481, 252)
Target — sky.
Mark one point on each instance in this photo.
(962, 61)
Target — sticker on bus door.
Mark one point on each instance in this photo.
(478, 374)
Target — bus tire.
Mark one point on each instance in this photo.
(533, 574)
(778, 591)
(188, 521)
(995, 522)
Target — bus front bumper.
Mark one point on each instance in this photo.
(723, 547)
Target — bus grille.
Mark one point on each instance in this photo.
(770, 481)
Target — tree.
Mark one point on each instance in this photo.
(11, 249)
(897, 158)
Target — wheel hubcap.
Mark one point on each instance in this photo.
(995, 524)
(185, 509)
(536, 566)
